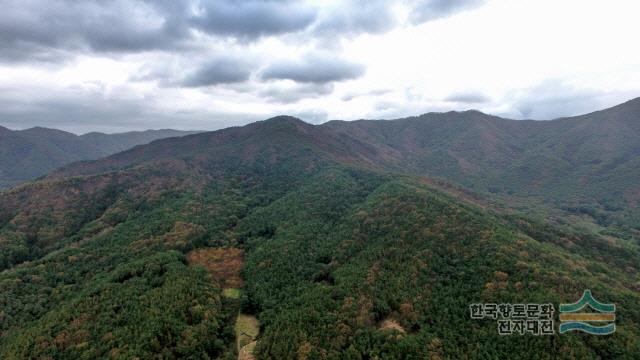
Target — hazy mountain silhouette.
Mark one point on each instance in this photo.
(28, 154)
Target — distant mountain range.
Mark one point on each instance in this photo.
(347, 240)
(28, 154)
(588, 164)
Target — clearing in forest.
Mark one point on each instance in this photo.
(224, 265)
(247, 330)
(390, 324)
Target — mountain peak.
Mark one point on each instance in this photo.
(286, 119)
(457, 115)
(283, 123)
(43, 131)
(473, 111)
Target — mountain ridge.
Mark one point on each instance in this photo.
(30, 153)
(566, 162)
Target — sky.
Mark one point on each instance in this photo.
(116, 65)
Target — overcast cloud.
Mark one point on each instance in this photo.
(319, 69)
(114, 65)
(468, 97)
(223, 70)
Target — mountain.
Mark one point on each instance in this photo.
(585, 164)
(285, 240)
(28, 154)
(567, 165)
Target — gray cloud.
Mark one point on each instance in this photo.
(551, 99)
(469, 97)
(427, 10)
(554, 98)
(312, 116)
(355, 17)
(94, 108)
(223, 70)
(313, 68)
(376, 16)
(46, 30)
(178, 32)
(20, 51)
(31, 28)
(229, 69)
(352, 95)
(292, 94)
(35, 29)
(253, 18)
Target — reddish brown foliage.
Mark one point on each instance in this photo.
(224, 264)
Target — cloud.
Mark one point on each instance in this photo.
(70, 106)
(428, 10)
(33, 29)
(355, 17)
(30, 28)
(348, 18)
(94, 107)
(223, 70)
(48, 30)
(312, 116)
(197, 71)
(313, 68)
(469, 97)
(353, 95)
(252, 18)
(296, 92)
(20, 52)
(555, 98)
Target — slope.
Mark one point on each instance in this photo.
(586, 164)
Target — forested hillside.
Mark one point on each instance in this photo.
(585, 165)
(335, 239)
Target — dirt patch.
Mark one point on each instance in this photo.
(224, 264)
(246, 353)
(390, 324)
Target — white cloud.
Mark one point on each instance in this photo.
(521, 58)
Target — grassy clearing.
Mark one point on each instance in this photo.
(247, 330)
(232, 293)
